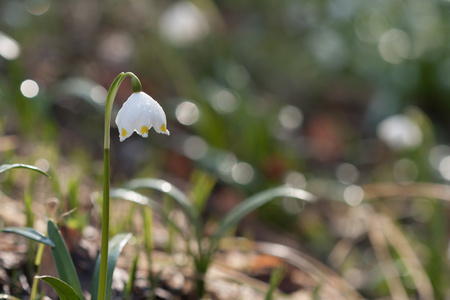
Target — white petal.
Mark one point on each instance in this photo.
(140, 113)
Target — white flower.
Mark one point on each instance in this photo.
(140, 113)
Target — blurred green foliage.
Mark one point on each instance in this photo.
(256, 92)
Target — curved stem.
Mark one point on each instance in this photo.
(136, 85)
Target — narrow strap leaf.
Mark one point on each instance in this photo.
(64, 291)
(6, 167)
(135, 197)
(31, 234)
(64, 264)
(115, 247)
(132, 196)
(254, 202)
(167, 188)
(171, 190)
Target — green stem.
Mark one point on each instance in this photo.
(37, 263)
(136, 85)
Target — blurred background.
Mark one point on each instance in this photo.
(347, 99)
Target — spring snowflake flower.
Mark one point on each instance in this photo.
(140, 113)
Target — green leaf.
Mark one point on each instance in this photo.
(254, 202)
(31, 234)
(7, 167)
(169, 189)
(138, 198)
(63, 261)
(64, 291)
(135, 197)
(8, 297)
(276, 277)
(115, 247)
(130, 284)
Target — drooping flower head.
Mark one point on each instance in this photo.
(140, 113)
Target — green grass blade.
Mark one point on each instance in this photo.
(201, 187)
(6, 167)
(167, 188)
(135, 197)
(63, 261)
(115, 247)
(138, 198)
(276, 277)
(254, 202)
(64, 291)
(128, 292)
(31, 234)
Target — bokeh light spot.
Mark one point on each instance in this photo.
(296, 179)
(347, 173)
(290, 117)
(43, 164)
(187, 113)
(444, 168)
(116, 47)
(9, 48)
(29, 88)
(225, 164)
(394, 46)
(223, 101)
(353, 195)
(166, 187)
(399, 132)
(183, 23)
(99, 94)
(242, 173)
(195, 147)
(37, 7)
(436, 155)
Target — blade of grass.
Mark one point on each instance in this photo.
(254, 202)
(168, 209)
(37, 263)
(147, 215)
(138, 198)
(276, 277)
(233, 217)
(324, 275)
(64, 291)
(202, 184)
(135, 197)
(130, 284)
(400, 191)
(169, 189)
(63, 260)
(7, 167)
(115, 247)
(415, 269)
(30, 233)
(386, 263)
(166, 188)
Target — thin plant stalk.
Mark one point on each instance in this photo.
(386, 263)
(136, 85)
(37, 262)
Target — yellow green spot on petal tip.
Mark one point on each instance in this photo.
(144, 130)
(124, 133)
(163, 128)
